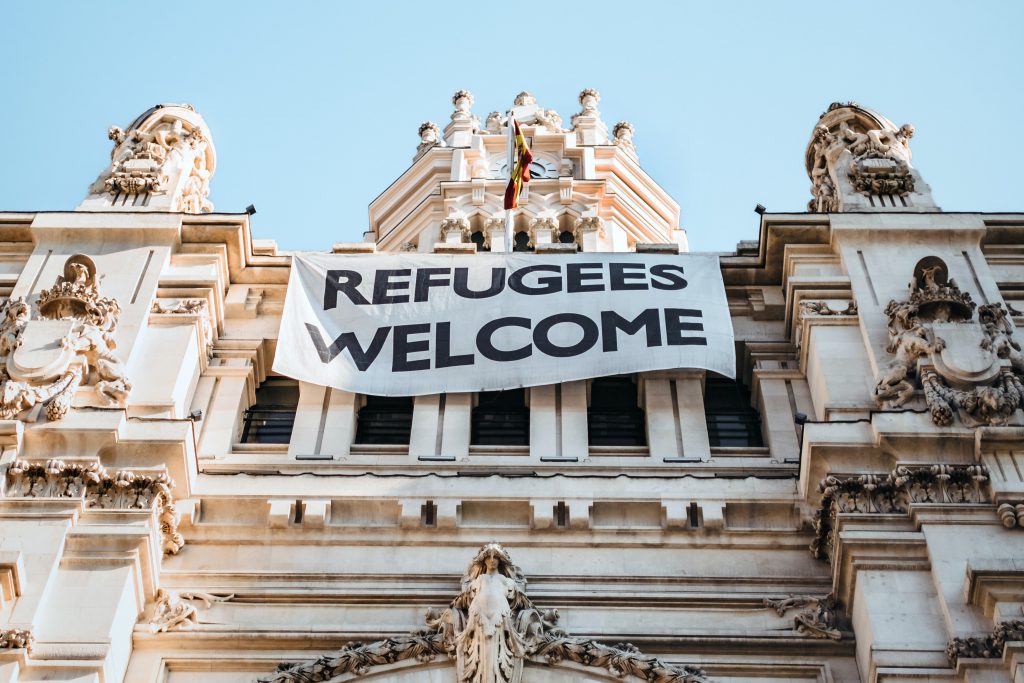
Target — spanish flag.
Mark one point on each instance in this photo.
(520, 171)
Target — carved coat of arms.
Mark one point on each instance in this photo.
(966, 365)
(70, 343)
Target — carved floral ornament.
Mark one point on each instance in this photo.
(966, 366)
(100, 489)
(892, 494)
(490, 629)
(69, 345)
(16, 639)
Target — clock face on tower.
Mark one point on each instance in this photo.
(539, 168)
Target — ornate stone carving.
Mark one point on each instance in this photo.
(543, 231)
(493, 123)
(196, 307)
(175, 612)
(524, 99)
(122, 490)
(587, 224)
(430, 136)
(462, 100)
(145, 156)
(966, 366)
(408, 247)
(455, 229)
(70, 345)
(818, 616)
(623, 136)
(549, 120)
(822, 308)
(16, 639)
(893, 493)
(985, 647)
(1011, 514)
(490, 628)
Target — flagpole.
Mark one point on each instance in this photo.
(509, 218)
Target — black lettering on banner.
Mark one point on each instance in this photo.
(486, 346)
(545, 285)
(547, 347)
(403, 346)
(575, 277)
(444, 357)
(344, 281)
(382, 286)
(347, 340)
(674, 327)
(424, 282)
(620, 278)
(611, 322)
(462, 284)
(672, 272)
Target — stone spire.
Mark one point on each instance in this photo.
(163, 161)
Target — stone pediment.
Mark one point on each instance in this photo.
(492, 631)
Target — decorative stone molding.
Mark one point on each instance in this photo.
(70, 345)
(408, 247)
(812, 308)
(543, 231)
(1011, 515)
(588, 224)
(197, 307)
(549, 120)
(430, 136)
(122, 490)
(934, 333)
(455, 230)
(16, 639)
(175, 612)
(818, 618)
(893, 493)
(490, 628)
(985, 647)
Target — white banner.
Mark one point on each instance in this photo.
(410, 324)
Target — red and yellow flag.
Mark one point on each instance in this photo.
(520, 170)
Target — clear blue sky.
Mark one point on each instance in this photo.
(314, 106)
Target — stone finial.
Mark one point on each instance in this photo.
(430, 136)
(524, 98)
(163, 161)
(462, 100)
(623, 136)
(589, 99)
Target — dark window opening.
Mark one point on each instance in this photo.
(566, 237)
(521, 242)
(478, 239)
(614, 417)
(561, 515)
(501, 418)
(384, 420)
(271, 417)
(428, 514)
(731, 419)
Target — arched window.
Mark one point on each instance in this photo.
(501, 418)
(384, 420)
(731, 419)
(521, 241)
(478, 239)
(614, 417)
(566, 237)
(271, 417)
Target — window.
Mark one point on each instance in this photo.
(270, 419)
(731, 420)
(614, 417)
(385, 420)
(566, 237)
(478, 239)
(521, 242)
(501, 418)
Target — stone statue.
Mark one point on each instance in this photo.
(489, 649)
(494, 123)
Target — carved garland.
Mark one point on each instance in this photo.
(16, 639)
(124, 490)
(490, 628)
(894, 493)
(985, 647)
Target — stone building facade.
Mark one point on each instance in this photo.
(847, 510)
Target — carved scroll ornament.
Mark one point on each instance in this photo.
(70, 344)
(988, 646)
(122, 490)
(490, 628)
(818, 616)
